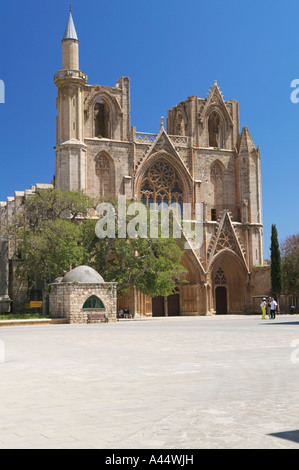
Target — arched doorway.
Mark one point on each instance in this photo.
(173, 305)
(166, 306)
(229, 282)
(158, 306)
(221, 300)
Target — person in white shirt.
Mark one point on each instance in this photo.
(273, 305)
(268, 307)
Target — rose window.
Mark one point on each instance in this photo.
(161, 185)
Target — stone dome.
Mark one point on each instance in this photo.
(83, 274)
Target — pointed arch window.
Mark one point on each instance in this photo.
(216, 173)
(162, 185)
(218, 193)
(102, 120)
(180, 125)
(214, 126)
(103, 169)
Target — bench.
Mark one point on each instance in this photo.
(97, 317)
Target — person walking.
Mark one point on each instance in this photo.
(273, 306)
(263, 307)
(268, 307)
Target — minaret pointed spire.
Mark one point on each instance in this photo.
(70, 30)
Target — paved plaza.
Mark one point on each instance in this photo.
(164, 383)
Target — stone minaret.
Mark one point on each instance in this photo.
(70, 171)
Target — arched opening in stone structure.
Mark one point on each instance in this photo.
(180, 125)
(102, 120)
(105, 172)
(158, 306)
(220, 300)
(166, 306)
(173, 304)
(214, 127)
(218, 192)
(93, 302)
(161, 184)
(229, 281)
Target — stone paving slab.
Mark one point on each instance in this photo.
(220, 382)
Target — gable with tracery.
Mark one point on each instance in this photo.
(161, 184)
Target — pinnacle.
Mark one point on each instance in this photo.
(70, 30)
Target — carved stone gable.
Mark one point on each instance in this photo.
(226, 237)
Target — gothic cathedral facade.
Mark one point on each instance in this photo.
(200, 156)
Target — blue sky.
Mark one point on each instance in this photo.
(170, 50)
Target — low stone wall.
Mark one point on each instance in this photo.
(262, 280)
(66, 300)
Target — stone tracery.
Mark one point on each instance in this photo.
(103, 171)
(161, 185)
(220, 278)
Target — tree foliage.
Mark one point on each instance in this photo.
(54, 235)
(276, 272)
(51, 250)
(152, 265)
(47, 205)
(290, 264)
(48, 238)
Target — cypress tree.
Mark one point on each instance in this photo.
(276, 271)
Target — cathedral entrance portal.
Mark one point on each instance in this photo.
(166, 306)
(158, 306)
(173, 302)
(221, 300)
(229, 278)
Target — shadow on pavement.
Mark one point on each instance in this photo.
(288, 435)
(274, 322)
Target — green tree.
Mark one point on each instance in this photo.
(152, 265)
(53, 204)
(54, 235)
(276, 272)
(48, 235)
(50, 251)
(290, 265)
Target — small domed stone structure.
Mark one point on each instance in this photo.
(84, 274)
(82, 296)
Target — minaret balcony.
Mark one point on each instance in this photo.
(62, 74)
